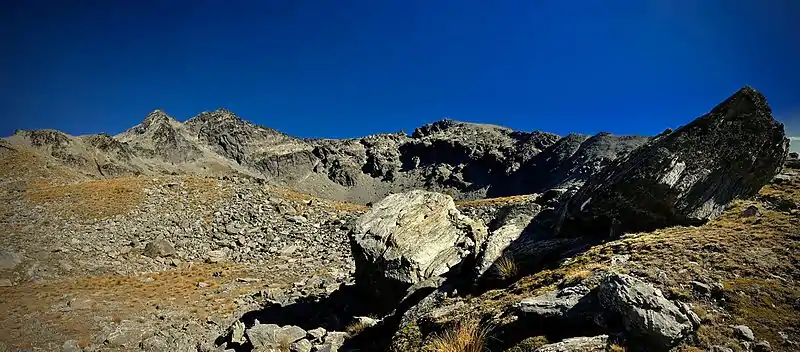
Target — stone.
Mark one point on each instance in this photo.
(762, 346)
(271, 336)
(159, 248)
(750, 211)
(582, 344)
(71, 346)
(6, 283)
(236, 332)
(302, 345)
(644, 312)
(744, 332)
(782, 179)
(233, 229)
(154, 344)
(718, 348)
(701, 287)
(509, 228)
(386, 243)
(298, 219)
(262, 335)
(684, 177)
(9, 260)
(365, 321)
(216, 256)
(290, 333)
(125, 336)
(553, 304)
(317, 334)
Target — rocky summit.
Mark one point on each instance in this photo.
(215, 234)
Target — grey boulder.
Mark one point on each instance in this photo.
(159, 248)
(687, 176)
(554, 304)
(644, 312)
(575, 344)
(744, 332)
(408, 238)
(271, 336)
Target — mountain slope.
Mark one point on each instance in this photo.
(466, 160)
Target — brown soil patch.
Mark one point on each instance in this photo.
(78, 308)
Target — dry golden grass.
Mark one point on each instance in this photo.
(495, 201)
(289, 194)
(92, 199)
(506, 267)
(356, 327)
(25, 164)
(466, 336)
(116, 298)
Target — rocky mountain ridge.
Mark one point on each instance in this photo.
(465, 160)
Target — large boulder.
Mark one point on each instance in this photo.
(646, 315)
(687, 176)
(408, 238)
(504, 231)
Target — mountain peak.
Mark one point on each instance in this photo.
(156, 119)
(217, 116)
(157, 115)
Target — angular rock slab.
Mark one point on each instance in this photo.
(510, 227)
(553, 304)
(582, 344)
(270, 336)
(687, 176)
(408, 238)
(645, 313)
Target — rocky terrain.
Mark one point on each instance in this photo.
(195, 236)
(464, 160)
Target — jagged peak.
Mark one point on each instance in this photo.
(218, 115)
(749, 99)
(43, 137)
(158, 115)
(155, 119)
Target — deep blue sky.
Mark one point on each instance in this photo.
(350, 68)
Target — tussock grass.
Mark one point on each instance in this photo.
(507, 268)
(356, 327)
(466, 336)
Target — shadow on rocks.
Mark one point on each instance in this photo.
(332, 312)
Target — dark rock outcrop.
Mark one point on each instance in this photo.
(687, 176)
(566, 164)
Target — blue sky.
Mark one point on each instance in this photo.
(350, 68)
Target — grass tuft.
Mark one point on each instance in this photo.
(467, 336)
(507, 268)
(356, 327)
